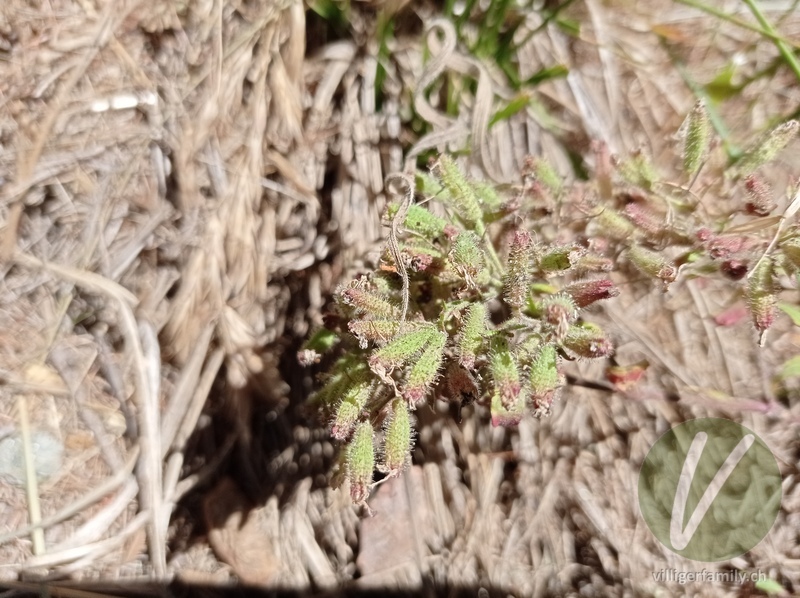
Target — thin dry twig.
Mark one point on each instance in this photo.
(31, 482)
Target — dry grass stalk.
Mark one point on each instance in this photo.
(106, 260)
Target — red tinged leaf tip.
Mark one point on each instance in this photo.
(360, 462)
(506, 413)
(628, 376)
(759, 193)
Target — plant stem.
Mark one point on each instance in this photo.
(768, 32)
(498, 266)
(780, 43)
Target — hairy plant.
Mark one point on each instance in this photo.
(483, 300)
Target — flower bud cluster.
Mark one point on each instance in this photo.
(497, 288)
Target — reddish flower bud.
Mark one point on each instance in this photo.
(704, 234)
(589, 291)
(644, 219)
(734, 269)
(720, 247)
(451, 232)
(421, 262)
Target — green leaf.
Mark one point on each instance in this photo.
(639, 170)
(698, 136)
(461, 194)
(473, 331)
(419, 220)
(543, 287)
(791, 368)
(721, 87)
(321, 341)
(335, 12)
(505, 372)
(557, 259)
(397, 438)
(425, 369)
(466, 256)
(544, 375)
(360, 458)
(570, 26)
(348, 370)
(348, 411)
(545, 173)
(792, 311)
(770, 586)
(516, 105)
(518, 271)
(402, 348)
(366, 301)
(558, 71)
(767, 148)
